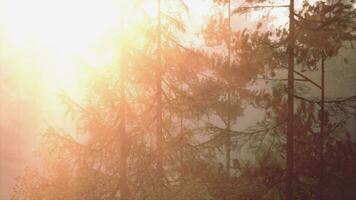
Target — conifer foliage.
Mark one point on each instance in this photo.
(167, 121)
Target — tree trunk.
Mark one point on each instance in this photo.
(321, 139)
(290, 128)
(228, 127)
(123, 139)
(159, 116)
(124, 189)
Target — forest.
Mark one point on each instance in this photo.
(246, 108)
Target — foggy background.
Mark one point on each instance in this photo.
(27, 109)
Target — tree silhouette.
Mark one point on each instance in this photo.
(164, 122)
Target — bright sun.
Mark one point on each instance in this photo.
(60, 39)
(62, 36)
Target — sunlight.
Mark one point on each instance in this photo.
(177, 99)
(65, 36)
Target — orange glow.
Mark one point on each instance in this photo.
(175, 99)
(65, 37)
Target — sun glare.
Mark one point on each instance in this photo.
(65, 36)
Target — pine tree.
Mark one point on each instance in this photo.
(324, 30)
(116, 158)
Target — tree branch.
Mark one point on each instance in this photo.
(351, 98)
(302, 75)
